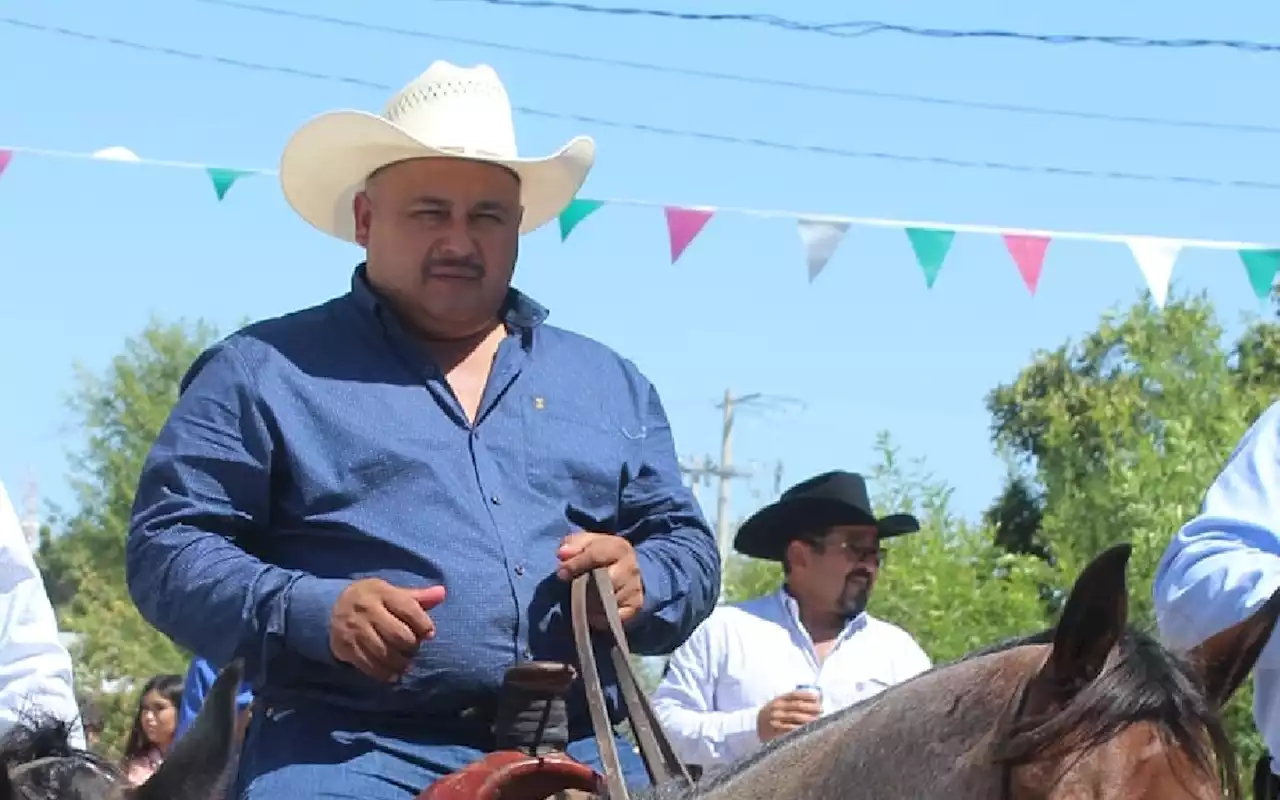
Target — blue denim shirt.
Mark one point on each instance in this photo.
(324, 446)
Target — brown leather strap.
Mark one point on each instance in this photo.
(655, 747)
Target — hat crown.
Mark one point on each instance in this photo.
(463, 110)
(849, 487)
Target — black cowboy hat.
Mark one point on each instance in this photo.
(832, 498)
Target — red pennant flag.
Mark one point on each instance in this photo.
(1028, 254)
(683, 224)
(5, 157)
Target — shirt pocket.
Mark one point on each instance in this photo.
(577, 453)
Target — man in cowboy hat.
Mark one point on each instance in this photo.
(758, 669)
(378, 502)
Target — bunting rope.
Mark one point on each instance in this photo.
(820, 234)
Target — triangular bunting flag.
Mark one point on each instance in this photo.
(223, 178)
(578, 209)
(683, 224)
(5, 157)
(1261, 265)
(1028, 254)
(820, 237)
(931, 246)
(1155, 259)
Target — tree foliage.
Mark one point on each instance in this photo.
(121, 412)
(1117, 437)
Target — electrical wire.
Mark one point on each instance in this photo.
(855, 29)
(659, 130)
(752, 80)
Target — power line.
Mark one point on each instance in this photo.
(860, 28)
(751, 80)
(659, 130)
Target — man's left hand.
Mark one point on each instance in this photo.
(582, 552)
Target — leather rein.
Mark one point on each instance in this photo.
(655, 747)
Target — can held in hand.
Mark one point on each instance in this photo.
(814, 689)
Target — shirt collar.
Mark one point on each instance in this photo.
(792, 609)
(519, 311)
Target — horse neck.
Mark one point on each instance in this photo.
(929, 737)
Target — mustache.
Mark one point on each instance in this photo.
(467, 264)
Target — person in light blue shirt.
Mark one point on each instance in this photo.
(199, 680)
(1225, 563)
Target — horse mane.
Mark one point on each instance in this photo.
(1146, 684)
(40, 763)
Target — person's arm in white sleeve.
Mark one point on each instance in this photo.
(684, 703)
(1225, 562)
(911, 660)
(35, 668)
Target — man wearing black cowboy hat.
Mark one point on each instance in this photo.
(758, 669)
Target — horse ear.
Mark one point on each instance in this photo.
(1225, 659)
(6, 785)
(1093, 620)
(197, 765)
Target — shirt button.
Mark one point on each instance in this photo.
(519, 569)
(495, 500)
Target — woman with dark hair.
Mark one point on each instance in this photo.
(153, 727)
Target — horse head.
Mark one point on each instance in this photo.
(1088, 709)
(1109, 712)
(39, 762)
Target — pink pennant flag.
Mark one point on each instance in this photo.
(5, 157)
(1028, 254)
(683, 224)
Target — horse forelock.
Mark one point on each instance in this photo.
(42, 764)
(1143, 684)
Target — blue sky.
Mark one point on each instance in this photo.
(89, 250)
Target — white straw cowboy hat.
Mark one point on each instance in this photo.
(447, 111)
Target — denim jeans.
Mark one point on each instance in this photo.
(302, 754)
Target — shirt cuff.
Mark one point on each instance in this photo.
(311, 602)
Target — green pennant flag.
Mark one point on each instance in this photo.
(578, 210)
(931, 248)
(223, 178)
(1261, 265)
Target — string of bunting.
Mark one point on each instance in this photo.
(821, 234)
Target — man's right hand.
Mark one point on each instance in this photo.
(377, 627)
(787, 712)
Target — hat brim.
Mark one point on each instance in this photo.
(767, 533)
(325, 164)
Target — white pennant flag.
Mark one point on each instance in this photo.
(820, 237)
(1155, 258)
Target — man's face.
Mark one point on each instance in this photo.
(841, 570)
(441, 237)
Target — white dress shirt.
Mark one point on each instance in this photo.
(746, 654)
(1225, 563)
(35, 668)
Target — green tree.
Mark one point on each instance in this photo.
(949, 585)
(1117, 438)
(121, 412)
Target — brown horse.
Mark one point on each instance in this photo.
(1090, 709)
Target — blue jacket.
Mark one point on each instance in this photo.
(200, 678)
